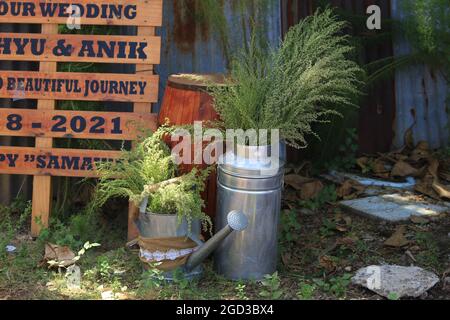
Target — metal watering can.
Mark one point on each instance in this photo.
(162, 226)
(248, 201)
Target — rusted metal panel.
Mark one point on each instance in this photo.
(421, 95)
(192, 47)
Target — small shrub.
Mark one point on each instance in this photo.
(336, 286)
(271, 287)
(306, 291)
(290, 229)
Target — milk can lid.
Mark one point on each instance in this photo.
(252, 167)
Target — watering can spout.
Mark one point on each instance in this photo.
(237, 221)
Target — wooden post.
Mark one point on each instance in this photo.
(142, 70)
(46, 123)
(42, 185)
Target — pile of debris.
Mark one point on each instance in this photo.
(431, 171)
(393, 187)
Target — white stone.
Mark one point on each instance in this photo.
(73, 277)
(394, 207)
(388, 280)
(11, 248)
(108, 295)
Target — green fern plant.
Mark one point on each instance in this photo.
(290, 88)
(149, 163)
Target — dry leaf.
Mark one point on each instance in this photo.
(442, 191)
(290, 195)
(363, 163)
(348, 220)
(63, 256)
(445, 175)
(380, 167)
(419, 220)
(409, 137)
(311, 189)
(421, 152)
(350, 188)
(345, 189)
(349, 242)
(327, 263)
(425, 186)
(410, 255)
(404, 169)
(398, 239)
(341, 228)
(286, 258)
(296, 181)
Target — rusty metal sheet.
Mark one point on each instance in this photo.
(421, 95)
(190, 47)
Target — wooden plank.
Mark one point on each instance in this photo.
(53, 162)
(141, 69)
(80, 48)
(42, 185)
(91, 12)
(75, 124)
(78, 86)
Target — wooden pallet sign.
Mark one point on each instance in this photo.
(47, 85)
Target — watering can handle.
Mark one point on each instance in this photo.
(143, 206)
(237, 221)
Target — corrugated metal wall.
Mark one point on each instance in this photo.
(377, 113)
(421, 96)
(193, 48)
(416, 95)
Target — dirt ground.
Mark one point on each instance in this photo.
(321, 247)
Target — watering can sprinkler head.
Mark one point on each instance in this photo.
(237, 221)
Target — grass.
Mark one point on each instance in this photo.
(113, 270)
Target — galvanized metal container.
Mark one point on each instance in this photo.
(167, 226)
(249, 183)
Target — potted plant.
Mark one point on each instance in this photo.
(294, 86)
(171, 205)
(284, 91)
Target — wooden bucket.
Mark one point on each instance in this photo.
(186, 100)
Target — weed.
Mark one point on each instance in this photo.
(290, 229)
(105, 270)
(241, 291)
(429, 256)
(306, 291)
(12, 220)
(347, 153)
(336, 285)
(271, 287)
(328, 228)
(393, 296)
(327, 195)
(152, 278)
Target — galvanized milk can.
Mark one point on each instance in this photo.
(248, 182)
